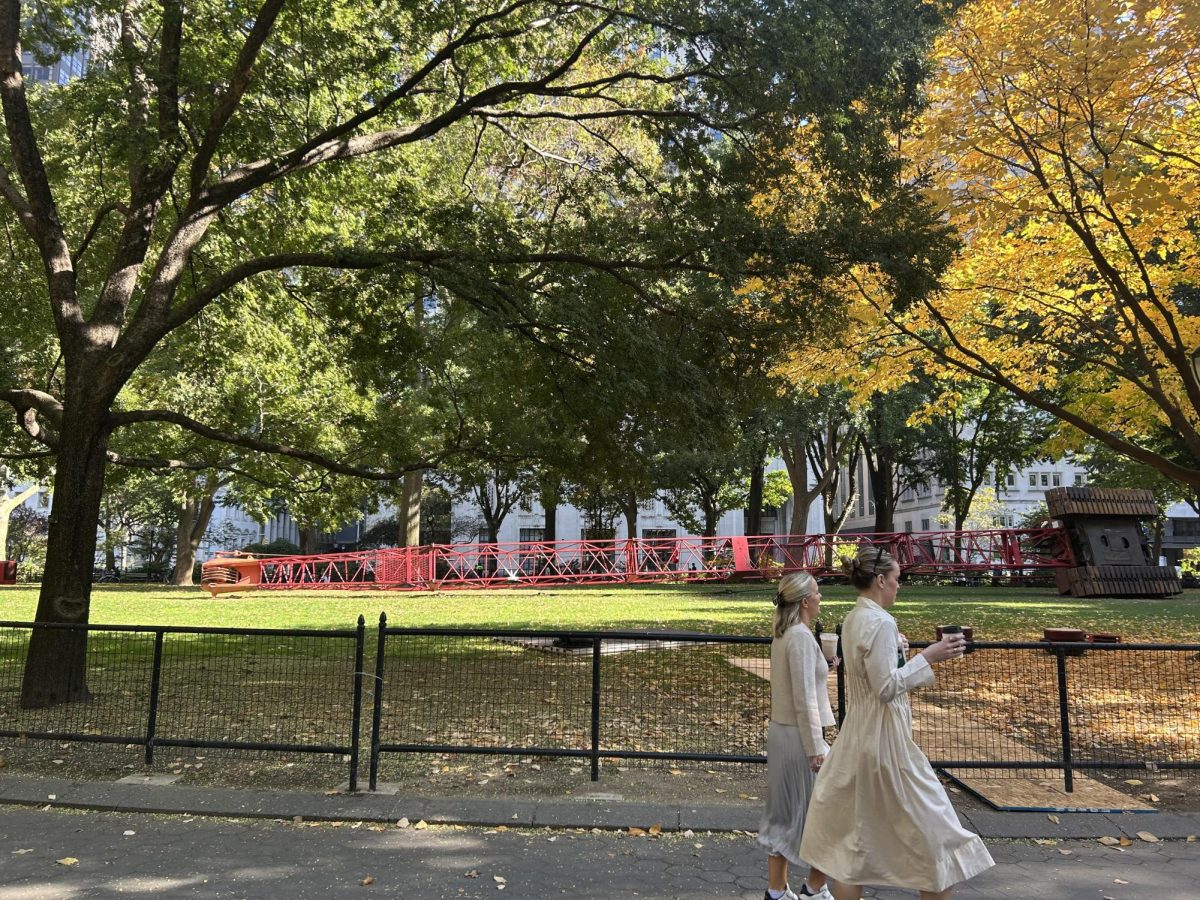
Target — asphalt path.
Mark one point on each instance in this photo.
(53, 853)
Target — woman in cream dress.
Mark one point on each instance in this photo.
(878, 814)
(796, 748)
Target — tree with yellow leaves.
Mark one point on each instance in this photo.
(1062, 143)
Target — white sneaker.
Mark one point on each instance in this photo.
(822, 894)
(788, 894)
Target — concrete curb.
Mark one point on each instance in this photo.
(524, 813)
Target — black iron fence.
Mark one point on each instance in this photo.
(237, 689)
(583, 694)
(590, 695)
(1063, 707)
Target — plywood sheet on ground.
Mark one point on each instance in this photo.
(934, 728)
(1006, 789)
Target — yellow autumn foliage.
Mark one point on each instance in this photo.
(1062, 144)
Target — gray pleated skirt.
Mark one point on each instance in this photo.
(789, 787)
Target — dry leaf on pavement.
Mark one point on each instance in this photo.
(370, 879)
(1147, 837)
(67, 861)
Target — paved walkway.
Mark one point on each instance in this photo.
(249, 844)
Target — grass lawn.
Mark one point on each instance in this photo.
(995, 613)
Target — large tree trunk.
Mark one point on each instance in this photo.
(795, 458)
(56, 665)
(309, 535)
(629, 506)
(408, 509)
(754, 502)
(708, 503)
(881, 470)
(193, 522)
(550, 525)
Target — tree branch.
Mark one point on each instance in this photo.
(257, 444)
(336, 144)
(112, 206)
(239, 80)
(17, 201)
(47, 230)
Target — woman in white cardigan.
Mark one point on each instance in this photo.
(879, 815)
(796, 745)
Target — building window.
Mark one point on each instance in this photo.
(651, 534)
(1056, 478)
(924, 524)
(1012, 479)
(1185, 527)
(1045, 479)
(908, 526)
(648, 505)
(1033, 479)
(1080, 479)
(531, 535)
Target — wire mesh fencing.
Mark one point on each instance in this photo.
(1019, 706)
(244, 691)
(588, 695)
(1014, 708)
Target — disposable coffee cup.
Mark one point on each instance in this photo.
(829, 644)
(966, 632)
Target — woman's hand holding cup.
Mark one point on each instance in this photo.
(952, 645)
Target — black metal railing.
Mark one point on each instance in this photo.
(248, 689)
(1066, 707)
(590, 695)
(581, 694)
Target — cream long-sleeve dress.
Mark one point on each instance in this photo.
(878, 813)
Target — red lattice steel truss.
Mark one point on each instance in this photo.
(1001, 552)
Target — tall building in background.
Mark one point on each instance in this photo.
(62, 70)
